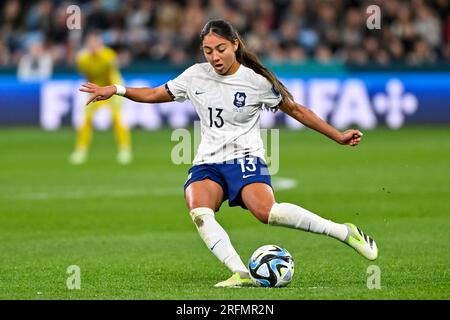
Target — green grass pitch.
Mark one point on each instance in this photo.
(129, 231)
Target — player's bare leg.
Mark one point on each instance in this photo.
(205, 193)
(259, 199)
(203, 198)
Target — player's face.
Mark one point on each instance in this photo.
(94, 43)
(220, 53)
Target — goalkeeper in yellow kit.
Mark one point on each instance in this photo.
(98, 64)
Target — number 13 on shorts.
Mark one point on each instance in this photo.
(247, 164)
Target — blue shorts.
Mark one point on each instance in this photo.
(232, 176)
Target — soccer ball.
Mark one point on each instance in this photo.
(271, 266)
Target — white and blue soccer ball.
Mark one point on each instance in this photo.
(271, 266)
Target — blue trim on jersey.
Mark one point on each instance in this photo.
(169, 92)
(230, 177)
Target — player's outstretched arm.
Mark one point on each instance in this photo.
(307, 117)
(147, 95)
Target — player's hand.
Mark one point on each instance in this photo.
(97, 93)
(351, 137)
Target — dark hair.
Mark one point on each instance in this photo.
(92, 32)
(244, 56)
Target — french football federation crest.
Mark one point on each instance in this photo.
(239, 99)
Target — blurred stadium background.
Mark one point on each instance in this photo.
(392, 82)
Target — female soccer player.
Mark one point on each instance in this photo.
(98, 63)
(228, 93)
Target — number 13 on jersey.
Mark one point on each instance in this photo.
(218, 120)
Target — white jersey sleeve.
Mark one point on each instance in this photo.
(178, 87)
(270, 97)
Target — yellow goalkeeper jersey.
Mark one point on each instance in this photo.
(100, 68)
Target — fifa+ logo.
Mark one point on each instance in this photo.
(395, 104)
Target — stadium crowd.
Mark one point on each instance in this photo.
(414, 32)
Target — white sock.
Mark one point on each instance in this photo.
(293, 216)
(217, 240)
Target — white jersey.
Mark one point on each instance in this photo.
(229, 109)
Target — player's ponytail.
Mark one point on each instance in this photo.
(243, 55)
(250, 60)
